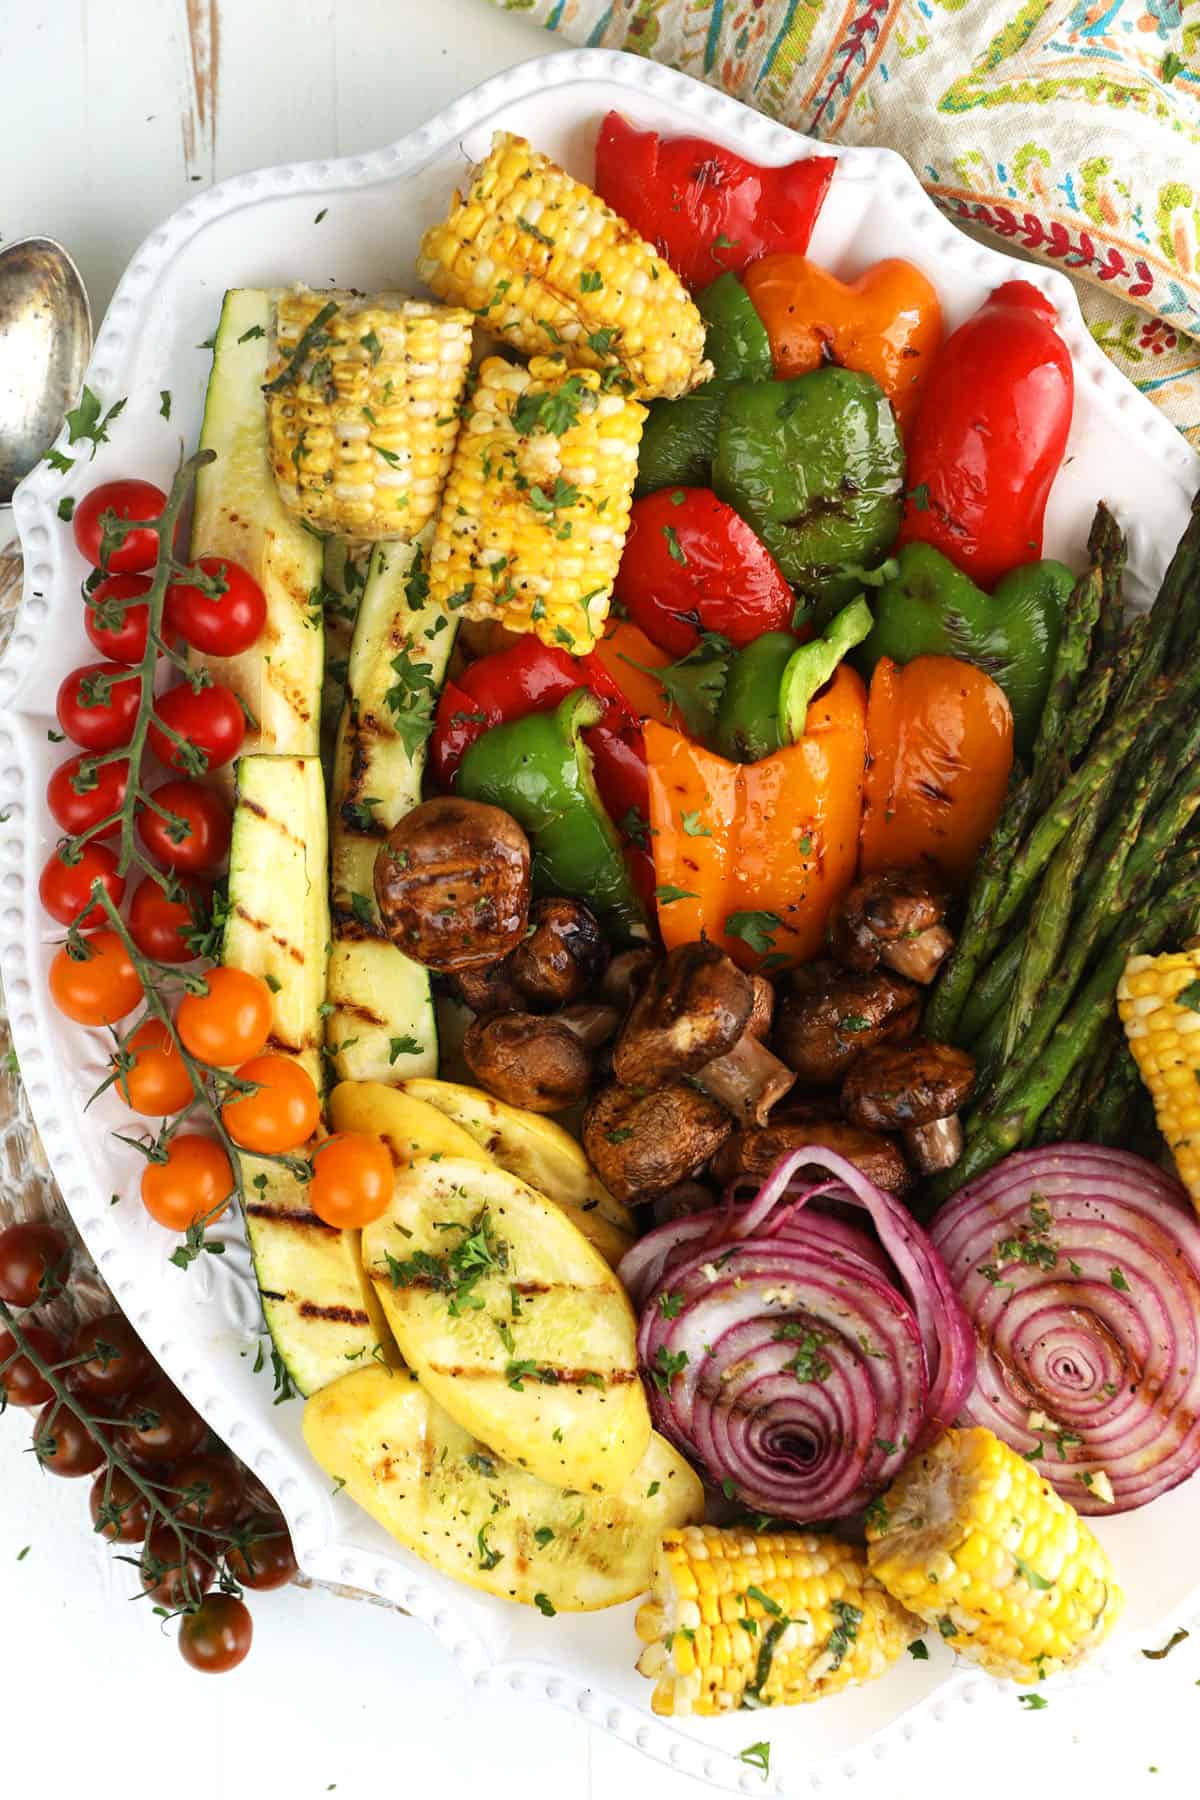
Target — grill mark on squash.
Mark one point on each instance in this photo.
(290, 1215)
(565, 1376)
(340, 1315)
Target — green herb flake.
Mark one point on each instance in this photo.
(668, 1364)
(674, 548)
(403, 1046)
(590, 281)
(758, 1756)
(692, 825)
(666, 895)
(1116, 1276)
(545, 1605)
(66, 508)
(164, 402)
(757, 929)
(1033, 1702)
(919, 1650)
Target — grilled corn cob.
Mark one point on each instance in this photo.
(1158, 1000)
(973, 1541)
(544, 263)
(535, 511)
(739, 1620)
(363, 408)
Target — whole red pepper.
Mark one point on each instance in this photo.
(990, 436)
(530, 676)
(690, 565)
(704, 208)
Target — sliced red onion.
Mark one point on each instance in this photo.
(797, 1360)
(1080, 1269)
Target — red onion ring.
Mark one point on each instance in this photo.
(1080, 1270)
(798, 1361)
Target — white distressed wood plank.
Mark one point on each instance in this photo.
(273, 91)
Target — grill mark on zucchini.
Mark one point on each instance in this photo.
(340, 1315)
(269, 818)
(288, 1215)
(353, 930)
(294, 951)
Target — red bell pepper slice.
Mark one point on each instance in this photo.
(990, 436)
(704, 208)
(530, 676)
(691, 565)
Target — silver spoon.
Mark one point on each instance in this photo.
(45, 342)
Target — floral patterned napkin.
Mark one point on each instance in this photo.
(1067, 132)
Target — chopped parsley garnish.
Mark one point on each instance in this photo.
(1036, 1581)
(919, 1650)
(758, 1756)
(488, 1558)
(666, 895)
(845, 1631)
(85, 423)
(1116, 1276)
(757, 929)
(535, 231)
(808, 1364)
(545, 1605)
(458, 1273)
(410, 701)
(675, 549)
(1032, 1702)
(549, 412)
(668, 1364)
(590, 281)
(691, 824)
(670, 1305)
(403, 1046)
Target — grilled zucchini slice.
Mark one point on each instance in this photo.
(440, 1491)
(541, 1153)
(314, 1297)
(510, 1318)
(382, 1026)
(238, 513)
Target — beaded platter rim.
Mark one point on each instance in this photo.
(401, 1580)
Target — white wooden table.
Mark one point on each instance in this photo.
(110, 112)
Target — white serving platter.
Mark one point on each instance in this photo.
(356, 222)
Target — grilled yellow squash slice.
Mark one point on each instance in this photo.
(317, 1305)
(541, 1153)
(510, 1318)
(440, 1491)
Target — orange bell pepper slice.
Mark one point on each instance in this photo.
(887, 324)
(623, 646)
(775, 841)
(940, 737)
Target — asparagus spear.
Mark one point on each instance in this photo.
(1173, 617)
(1053, 825)
(990, 993)
(975, 936)
(1105, 548)
(996, 1130)
(1112, 573)
(1050, 919)
(1058, 1123)
(1110, 1114)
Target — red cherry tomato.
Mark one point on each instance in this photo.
(196, 1177)
(118, 632)
(217, 1636)
(283, 1111)
(63, 1444)
(175, 1575)
(100, 989)
(690, 565)
(221, 626)
(160, 926)
(120, 1511)
(128, 500)
(209, 718)
(66, 887)
(21, 1384)
(34, 1260)
(116, 1358)
(196, 837)
(158, 1424)
(97, 705)
(207, 1491)
(82, 793)
(266, 1560)
(230, 1022)
(157, 1082)
(352, 1180)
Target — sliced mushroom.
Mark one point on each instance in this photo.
(896, 917)
(563, 955)
(641, 1144)
(916, 1089)
(692, 1018)
(827, 1016)
(528, 1060)
(755, 1152)
(452, 882)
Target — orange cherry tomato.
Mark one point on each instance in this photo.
(194, 1183)
(156, 1082)
(229, 1023)
(887, 323)
(281, 1115)
(101, 988)
(352, 1179)
(939, 752)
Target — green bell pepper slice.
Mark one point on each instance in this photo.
(539, 770)
(748, 716)
(816, 466)
(813, 664)
(930, 608)
(680, 436)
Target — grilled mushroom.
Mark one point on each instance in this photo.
(542, 1064)
(641, 1144)
(452, 882)
(563, 955)
(488, 990)
(693, 1018)
(916, 1089)
(755, 1152)
(762, 1007)
(681, 1201)
(827, 1016)
(896, 917)
(626, 975)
